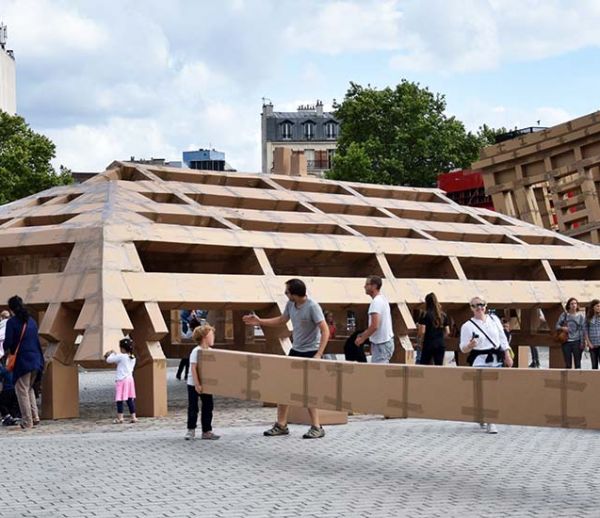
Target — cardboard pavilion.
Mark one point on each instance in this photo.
(123, 251)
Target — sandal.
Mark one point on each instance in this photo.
(117, 421)
(134, 420)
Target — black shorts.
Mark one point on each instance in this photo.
(302, 354)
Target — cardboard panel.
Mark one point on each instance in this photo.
(557, 398)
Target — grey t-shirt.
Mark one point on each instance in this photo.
(305, 320)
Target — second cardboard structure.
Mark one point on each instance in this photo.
(558, 398)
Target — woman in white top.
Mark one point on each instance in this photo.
(4, 316)
(482, 336)
(124, 385)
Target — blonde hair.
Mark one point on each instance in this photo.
(4, 314)
(202, 331)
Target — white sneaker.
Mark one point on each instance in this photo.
(491, 428)
(190, 435)
(482, 426)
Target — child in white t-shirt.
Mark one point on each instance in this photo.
(124, 385)
(205, 337)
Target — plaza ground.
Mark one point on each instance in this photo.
(370, 467)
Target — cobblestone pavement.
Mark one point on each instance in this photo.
(370, 467)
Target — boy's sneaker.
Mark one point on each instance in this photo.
(491, 428)
(190, 435)
(209, 436)
(277, 429)
(314, 433)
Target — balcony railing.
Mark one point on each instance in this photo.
(318, 165)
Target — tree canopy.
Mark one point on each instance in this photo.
(401, 136)
(25, 157)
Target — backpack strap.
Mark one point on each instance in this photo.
(484, 333)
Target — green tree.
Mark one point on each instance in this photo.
(25, 157)
(487, 136)
(400, 136)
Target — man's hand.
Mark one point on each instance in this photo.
(198, 388)
(251, 320)
(318, 356)
(508, 361)
(359, 340)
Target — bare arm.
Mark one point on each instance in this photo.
(324, 339)
(362, 338)
(196, 377)
(255, 320)
(446, 331)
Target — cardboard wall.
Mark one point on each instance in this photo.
(556, 398)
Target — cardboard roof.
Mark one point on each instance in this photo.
(174, 238)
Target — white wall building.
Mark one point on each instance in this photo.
(8, 76)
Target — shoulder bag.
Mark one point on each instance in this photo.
(11, 361)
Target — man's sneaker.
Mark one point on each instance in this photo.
(277, 429)
(209, 436)
(314, 433)
(190, 435)
(491, 428)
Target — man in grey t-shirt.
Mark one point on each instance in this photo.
(309, 337)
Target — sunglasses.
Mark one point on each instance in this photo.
(480, 305)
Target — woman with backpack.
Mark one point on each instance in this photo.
(483, 338)
(433, 327)
(572, 322)
(22, 341)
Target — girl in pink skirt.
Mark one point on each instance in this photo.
(125, 386)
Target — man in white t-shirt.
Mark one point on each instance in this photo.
(380, 330)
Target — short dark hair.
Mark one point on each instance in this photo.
(296, 287)
(375, 280)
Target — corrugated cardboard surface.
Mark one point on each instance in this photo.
(558, 398)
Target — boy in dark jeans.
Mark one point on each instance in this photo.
(205, 336)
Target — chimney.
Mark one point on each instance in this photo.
(267, 109)
(319, 108)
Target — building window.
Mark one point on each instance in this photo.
(309, 130)
(286, 130)
(331, 129)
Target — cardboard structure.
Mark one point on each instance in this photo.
(122, 252)
(550, 178)
(560, 398)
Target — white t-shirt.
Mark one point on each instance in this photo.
(384, 332)
(2, 335)
(125, 365)
(493, 328)
(195, 357)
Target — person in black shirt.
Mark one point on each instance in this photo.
(433, 327)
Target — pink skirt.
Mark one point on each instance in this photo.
(125, 389)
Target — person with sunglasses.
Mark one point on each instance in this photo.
(483, 338)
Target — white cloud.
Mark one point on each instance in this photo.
(467, 35)
(476, 113)
(40, 29)
(344, 26)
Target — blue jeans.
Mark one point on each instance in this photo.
(381, 353)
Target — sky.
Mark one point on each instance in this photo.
(111, 79)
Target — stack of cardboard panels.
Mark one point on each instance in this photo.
(123, 251)
(550, 178)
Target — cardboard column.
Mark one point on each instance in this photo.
(557, 360)
(60, 384)
(402, 323)
(277, 339)
(460, 316)
(150, 373)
